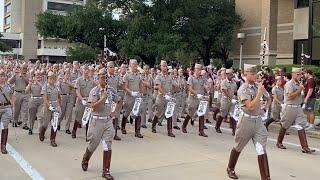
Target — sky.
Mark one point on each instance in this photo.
(1, 15)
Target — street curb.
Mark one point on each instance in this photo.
(275, 127)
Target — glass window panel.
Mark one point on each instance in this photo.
(316, 19)
(316, 48)
(59, 6)
(302, 3)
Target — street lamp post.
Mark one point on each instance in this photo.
(104, 41)
(241, 37)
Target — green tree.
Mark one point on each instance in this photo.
(84, 24)
(81, 52)
(202, 23)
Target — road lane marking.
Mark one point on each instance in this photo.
(24, 164)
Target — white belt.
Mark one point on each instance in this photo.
(53, 101)
(249, 116)
(100, 117)
(294, 106)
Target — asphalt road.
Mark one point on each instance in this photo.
(156, 156)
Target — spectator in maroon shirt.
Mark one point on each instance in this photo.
(310, 97)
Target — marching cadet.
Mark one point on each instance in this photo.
(114, 81)
(163, 84)
(101, 127)
(197, 90)
(132, 85)
(293, 112)
(221, 76)
(277, 101)
(66, 87)
(36, 100)
(74, 75)
(227, 102)
(5, 110)
(20, 102)
(250, 124)
(177, 95)
(122, 71)
(83, 86)
(147, 91)
(51, 104)
(183, 93)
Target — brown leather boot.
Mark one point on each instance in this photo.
(154, 124)
(169, 127)
(53, 138)
(4, 138)
(232, 164)
(233, 124)
(282, 133)
(268, 122)
(201, 127)
(218, 124)
(123, 125)
(304, 142)
(42, 130)
(115, 124)
(106, 165)
(74, 130)
(264, 167)
(185, 123)
(85, 160)
(137, 125)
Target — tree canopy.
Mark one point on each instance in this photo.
(149, 30)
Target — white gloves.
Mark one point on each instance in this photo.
(199, 96)
(234, 101)
(84, 102)
(167, 97)
(304, 106)
(134, 94)
(51, 108)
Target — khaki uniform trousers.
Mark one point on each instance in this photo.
(292, 115)
(160, 107)
(143, 109)
(5, 116)
(66, 110)
(128, 105)
(275, 111)
(20, 107)
(226, 108)
(35, 107)
(47, 115)
(250, 128)
(100, 130)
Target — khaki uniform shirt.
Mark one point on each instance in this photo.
(230, 86)
(105, 108)
(19, 83)
(198, 84)
(165, 81)
(279, 92)
(4, 94)
(35, 89)
(249, 92)
(84, 85)
(291, 87)
(52, 92)
(133, 80)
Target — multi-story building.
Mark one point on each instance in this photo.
(20, 31)
(289, 24)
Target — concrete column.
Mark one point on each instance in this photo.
(269, 20)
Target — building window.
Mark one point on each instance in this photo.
(7, 20)
(59, 6)
(7, 9)
(298, 50)
(12, 43)
(301, 3)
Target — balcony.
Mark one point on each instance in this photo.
(51, 52)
